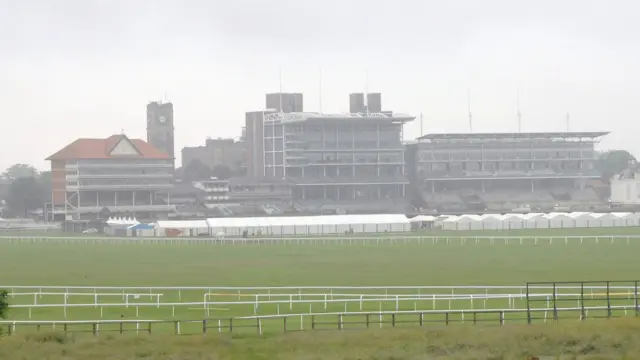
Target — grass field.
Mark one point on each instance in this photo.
(299, 265)
(397, 264)
(606, 339)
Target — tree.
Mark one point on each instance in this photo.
(613, 162)
(4, 304)
(18, 171)
(25, 194)
(196, 170)
(222, 172)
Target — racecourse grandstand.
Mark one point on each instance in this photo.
(501, 172)
(334, 163)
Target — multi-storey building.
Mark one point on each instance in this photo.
(125, 176)
(216, 152)
(504, 171)
(353, 162)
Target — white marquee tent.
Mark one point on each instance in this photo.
(182, 228)
(540, 221)
(309, 225)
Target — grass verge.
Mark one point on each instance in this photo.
(605, 339)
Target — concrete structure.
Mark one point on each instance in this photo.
(335, 159)
(226, 152)
(285, 102)
(125, 176)
(503, 171)
(334, 163)
(160, 128)
(625, 187)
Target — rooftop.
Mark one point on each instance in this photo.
(113, 147)
(306, 116)
(517, 136)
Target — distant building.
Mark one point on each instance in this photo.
(125, 176)
(625, 187)
(285, 102)
(227, 152)
(503, 171)
(160, 128)
(254, 143)
(334, 162)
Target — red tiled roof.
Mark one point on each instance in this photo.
(101, 149)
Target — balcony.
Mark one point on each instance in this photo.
(74, 177)
(118, 165)
(118, 187)
(127, 208)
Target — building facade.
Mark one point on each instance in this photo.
(160, 128)
(341, 161)
(216, 152)
(503, 171)
(118, 175)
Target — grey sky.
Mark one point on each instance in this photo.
(87, 68)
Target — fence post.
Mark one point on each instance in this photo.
(340, 322)
(474, 317)
(393, 320)
(636, 298)
(230, 325)
(555, 305)
(121, 328)
(64, 328)
(149, 328)
(10, 331)
(94, 327)
(204, 326)
(501, 317)
(608, 300)
(284, 320)
(367, 320)
(446, 318)
(421, 319)
(175, 327)
(259, 326)
(528, 306)
(313, 322)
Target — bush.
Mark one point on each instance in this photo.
(4, 304)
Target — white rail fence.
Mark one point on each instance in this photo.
(326, 240)
(280, 300)
(316, 321)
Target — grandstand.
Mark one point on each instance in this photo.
(338, 163)
(505, 171)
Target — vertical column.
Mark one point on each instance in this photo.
(377, 149)
(337, 151)
(273, 147)
(353, 147)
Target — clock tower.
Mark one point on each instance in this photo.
(160, 130)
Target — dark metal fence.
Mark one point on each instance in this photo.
(319, 321)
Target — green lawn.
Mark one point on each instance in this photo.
(399, 264)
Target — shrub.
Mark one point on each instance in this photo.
(4, 304)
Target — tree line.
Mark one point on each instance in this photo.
(29, 189)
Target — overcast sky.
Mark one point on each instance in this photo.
(87, 68)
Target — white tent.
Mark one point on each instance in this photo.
(554, 221)
(309, 225)
(581, 219)
(182, 228)
(491, 222)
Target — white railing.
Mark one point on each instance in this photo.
(468, 297)
(329, 240)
